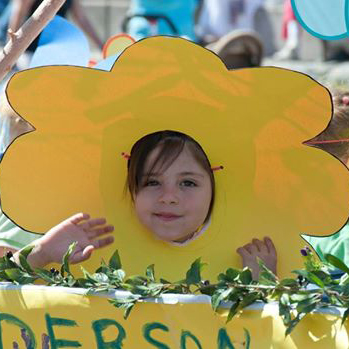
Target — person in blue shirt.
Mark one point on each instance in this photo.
(153, 17)
(22, 9)
(5, 13)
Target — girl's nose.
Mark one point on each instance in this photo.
(169, 195)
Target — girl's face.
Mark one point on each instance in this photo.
(174, 203)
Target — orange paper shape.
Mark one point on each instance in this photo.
(116, 44)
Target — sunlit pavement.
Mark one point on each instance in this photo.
(330, 73)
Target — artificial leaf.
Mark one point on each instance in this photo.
(345, 316)
(114, 261)
(333, 260)
(150, 273)
(65, 260)
(193, 275)
(23, 255)
(233, 310)
(245, 276)
(219, 296)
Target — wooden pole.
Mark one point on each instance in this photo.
(25, 35)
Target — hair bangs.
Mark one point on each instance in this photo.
(170, 149)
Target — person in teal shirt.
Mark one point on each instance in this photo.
(153, 17)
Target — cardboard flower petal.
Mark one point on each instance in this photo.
(251, 121)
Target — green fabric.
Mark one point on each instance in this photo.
(336, 244)
(12, 236)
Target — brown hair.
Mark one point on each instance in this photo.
(172, 144)
(337, 129)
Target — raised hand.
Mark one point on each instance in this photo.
(88, 233)
(264, 250)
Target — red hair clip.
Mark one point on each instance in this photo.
(125, 156)
(217, 168)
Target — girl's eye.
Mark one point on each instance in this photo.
(151, 183)
(188, 183)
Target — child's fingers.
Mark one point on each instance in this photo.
(100, 231)
(77, 218)
(103, 242)
(82, 255)
(85, 254)
(253, 249)
(259, 245)
(270, 245)
(91, 223)
(243, 251)
(248, 248)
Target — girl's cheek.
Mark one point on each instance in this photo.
(143, 198)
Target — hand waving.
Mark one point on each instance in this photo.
(88, 233)
(264, 250)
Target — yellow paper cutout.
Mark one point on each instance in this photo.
(93, 322)
(251, 121)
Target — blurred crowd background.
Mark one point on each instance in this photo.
(243, 33)
(108, 17)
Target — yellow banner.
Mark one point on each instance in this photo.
(72, 319)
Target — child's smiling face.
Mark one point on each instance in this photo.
(174, 203)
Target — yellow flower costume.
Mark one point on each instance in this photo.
(251, 121)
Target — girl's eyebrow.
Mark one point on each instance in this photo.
(150, 174)
(188, 173)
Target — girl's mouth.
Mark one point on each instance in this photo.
(166, 216)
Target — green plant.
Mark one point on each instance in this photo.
(296, 299)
